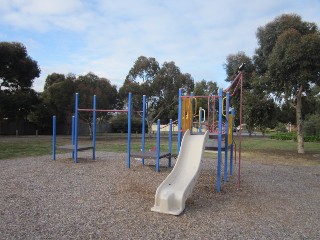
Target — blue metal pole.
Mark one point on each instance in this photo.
(54, 140)
(192, 110)
(129, 129)
(75, 146)
(179, 120)
(94, 127)
(231, 147)
(219, 141)
(143, 126)
(72, 130)
(200, 120)
(225, 174)
(170, 143)
(158, 147)
(73, 137)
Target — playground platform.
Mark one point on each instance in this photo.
(71, 147)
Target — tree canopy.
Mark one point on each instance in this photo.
(259, 109)
(58, 97)
(17, 68)
(288, 61)
(17, 73)
(159, 84)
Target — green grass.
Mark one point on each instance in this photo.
(253, 149)
(27, 146)
(267, 144)
(18, 147)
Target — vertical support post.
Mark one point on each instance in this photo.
(226, 142)
(75, 146)
(170, 143)
(129, 129)
(94, 127)
(158, 147)
(179, 120)
(240, 137)
(208, 118)
(213, 113)
(231, 147)
(73, 137)
(200, 120)
(191, 115)
(219, 141)
(143, 126)
(54, 140)
(72, 129)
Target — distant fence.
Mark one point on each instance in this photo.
(17, 128)
(28, 128)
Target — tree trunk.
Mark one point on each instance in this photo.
(90, 129)
(299, 121)
(149, 128)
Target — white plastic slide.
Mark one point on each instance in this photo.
(173, 192)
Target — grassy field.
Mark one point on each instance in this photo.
(263, 150)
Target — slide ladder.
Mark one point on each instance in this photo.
(173, 192)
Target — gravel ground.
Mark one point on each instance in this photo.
(44, 199)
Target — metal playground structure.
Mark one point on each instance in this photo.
(200, 128)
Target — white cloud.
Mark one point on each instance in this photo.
(106, 37)
(42, 15)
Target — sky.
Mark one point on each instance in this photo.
(106, 36)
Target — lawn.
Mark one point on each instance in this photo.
(260, 149)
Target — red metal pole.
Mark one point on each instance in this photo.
(240, 138)
(235, 153)
(208, 118)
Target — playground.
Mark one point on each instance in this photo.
(91, 194)
(43, 199)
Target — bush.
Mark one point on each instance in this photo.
(119, 123)
(312, 139)
(312, 125)
(293, 136)
(281, 127)
(284, 136)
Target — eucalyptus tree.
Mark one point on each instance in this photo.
(17, 73)
(107, 97)
(288, 62)
(159, 84)
(259, 108)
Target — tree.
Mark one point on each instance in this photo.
(204, 88)
(259, 112)
(288, 61)
(233, 61)
(54, 78)
(58, 99)
(166, 86)
(259, 109)
(160, 85)
(312, 125)
(17, 68)
(17, 72)
(139, 80)
(107, 96)
(144, 69)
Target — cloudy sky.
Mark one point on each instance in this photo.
(107, 36)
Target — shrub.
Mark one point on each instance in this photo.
(293, 136)
(312, 125)
(312, 139)
(284, 136)
(119, 123)
(281, 127)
